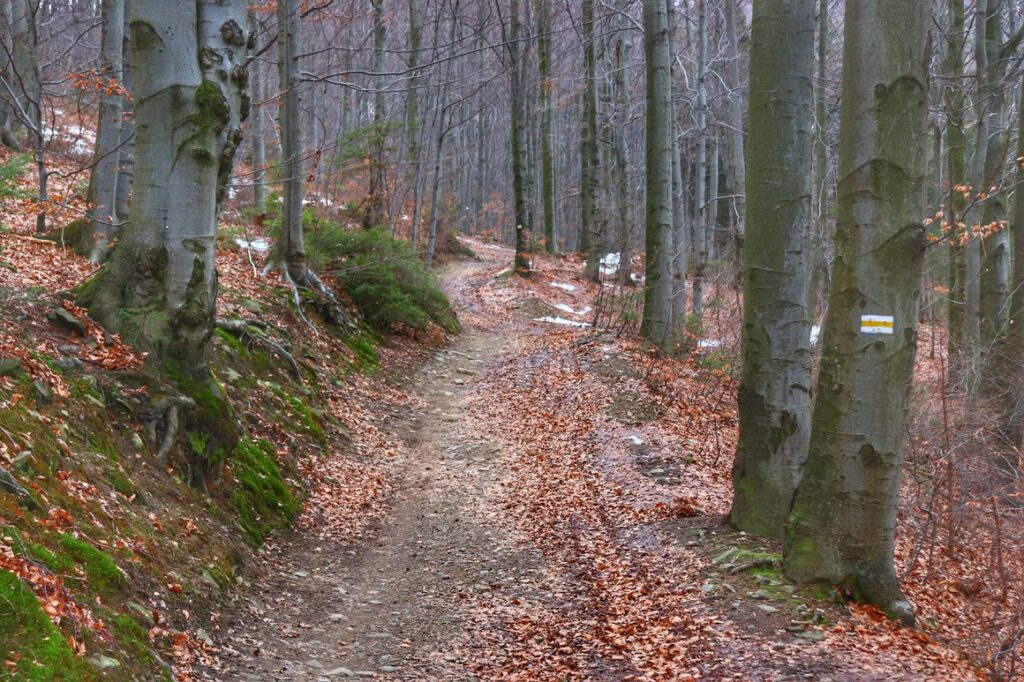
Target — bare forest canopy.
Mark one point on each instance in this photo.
(744, 277)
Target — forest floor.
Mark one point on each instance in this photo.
(556, 512)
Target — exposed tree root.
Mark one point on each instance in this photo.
(250, 332)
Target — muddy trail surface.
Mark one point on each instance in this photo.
(556, 513)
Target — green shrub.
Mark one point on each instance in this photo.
(263, 500)
(383, 278)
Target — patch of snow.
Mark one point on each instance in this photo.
(562, 286)
(610, 264)
(572, 311)
(815, 333)
(637, 279)
(709, 343)
(561, 321)
(503, 272)
(636, 440)
(259, 245)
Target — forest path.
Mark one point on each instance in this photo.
(384, 605)
(556, 512)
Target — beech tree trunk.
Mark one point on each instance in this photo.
(547, 87)
(656, 325)
(291, 250)
(994, 283)
(259, 144)
(126, 154)
(103, 180)
(374, 216)
(159, 287)
(700, 253)
(590, 219)
(520, 161)
(734, 133)
(775, 385)
(956, 150)
(841, 529)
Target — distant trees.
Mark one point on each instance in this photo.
(103, 179)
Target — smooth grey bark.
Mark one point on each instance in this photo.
(520, 155)
(412, 117)
(775, 382)
(375, 214)
(972, 284)
(620, 84)
(700, 253)
(291, 250)
(842, 526)
(821, 233)
(8, 118)
(159, 286)
(656, 325)
(259, 143)
(126, 154)
(994, 281)
(734, 132)
(1010, 348)
(25, 93)
(680, 238)
(590, 218)
(103, 181)
(547, 87)
(956, 150)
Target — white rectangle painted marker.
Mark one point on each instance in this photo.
(877, 324)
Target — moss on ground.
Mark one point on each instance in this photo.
(101, 572)
(31, 640)
(263, 500)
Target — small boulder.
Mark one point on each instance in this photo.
(64, 319)
(11, 367)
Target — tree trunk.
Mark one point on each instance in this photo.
(775, 384)
(126, 154)
(841, 529)
(1010, 347)
(291, 249)
(412, 115)
(994, 284)
(374, 216)
(621, 152)
(590, 219)
(734, 132)
(159, 287)
(8, 116)
(957, 174)
(520, 162)
(680, 238)
(656, 325)
(103, 181)
(547, 87)
(700, 209)
(972, 285)
(259, 144)
(821, 234)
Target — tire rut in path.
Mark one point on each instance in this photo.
(387, 605)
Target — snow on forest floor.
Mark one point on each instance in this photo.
(556, 508)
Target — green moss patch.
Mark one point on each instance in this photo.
(263, 500)
(100, 570)
(32, 640)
